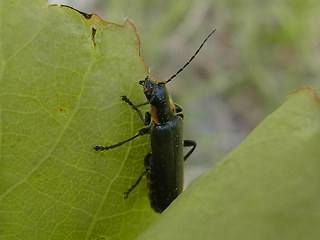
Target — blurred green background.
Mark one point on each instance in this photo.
(261, 51)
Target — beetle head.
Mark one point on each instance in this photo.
(155, 91)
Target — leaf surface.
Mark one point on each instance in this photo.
(60, 95)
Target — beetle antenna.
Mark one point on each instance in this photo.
(190, 60)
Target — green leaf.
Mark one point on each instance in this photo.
(267, 188)
(60, 95)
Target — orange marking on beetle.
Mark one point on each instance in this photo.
(161, 82)
(154, 115)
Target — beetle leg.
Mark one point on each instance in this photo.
(148, 168)
(189, 143)
(142, 132)
(142, 104)
(179, 110)
(126, 194)
(145, 120)
(147, 162)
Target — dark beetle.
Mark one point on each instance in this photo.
(164, 164)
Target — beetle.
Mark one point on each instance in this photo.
(164, 163)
